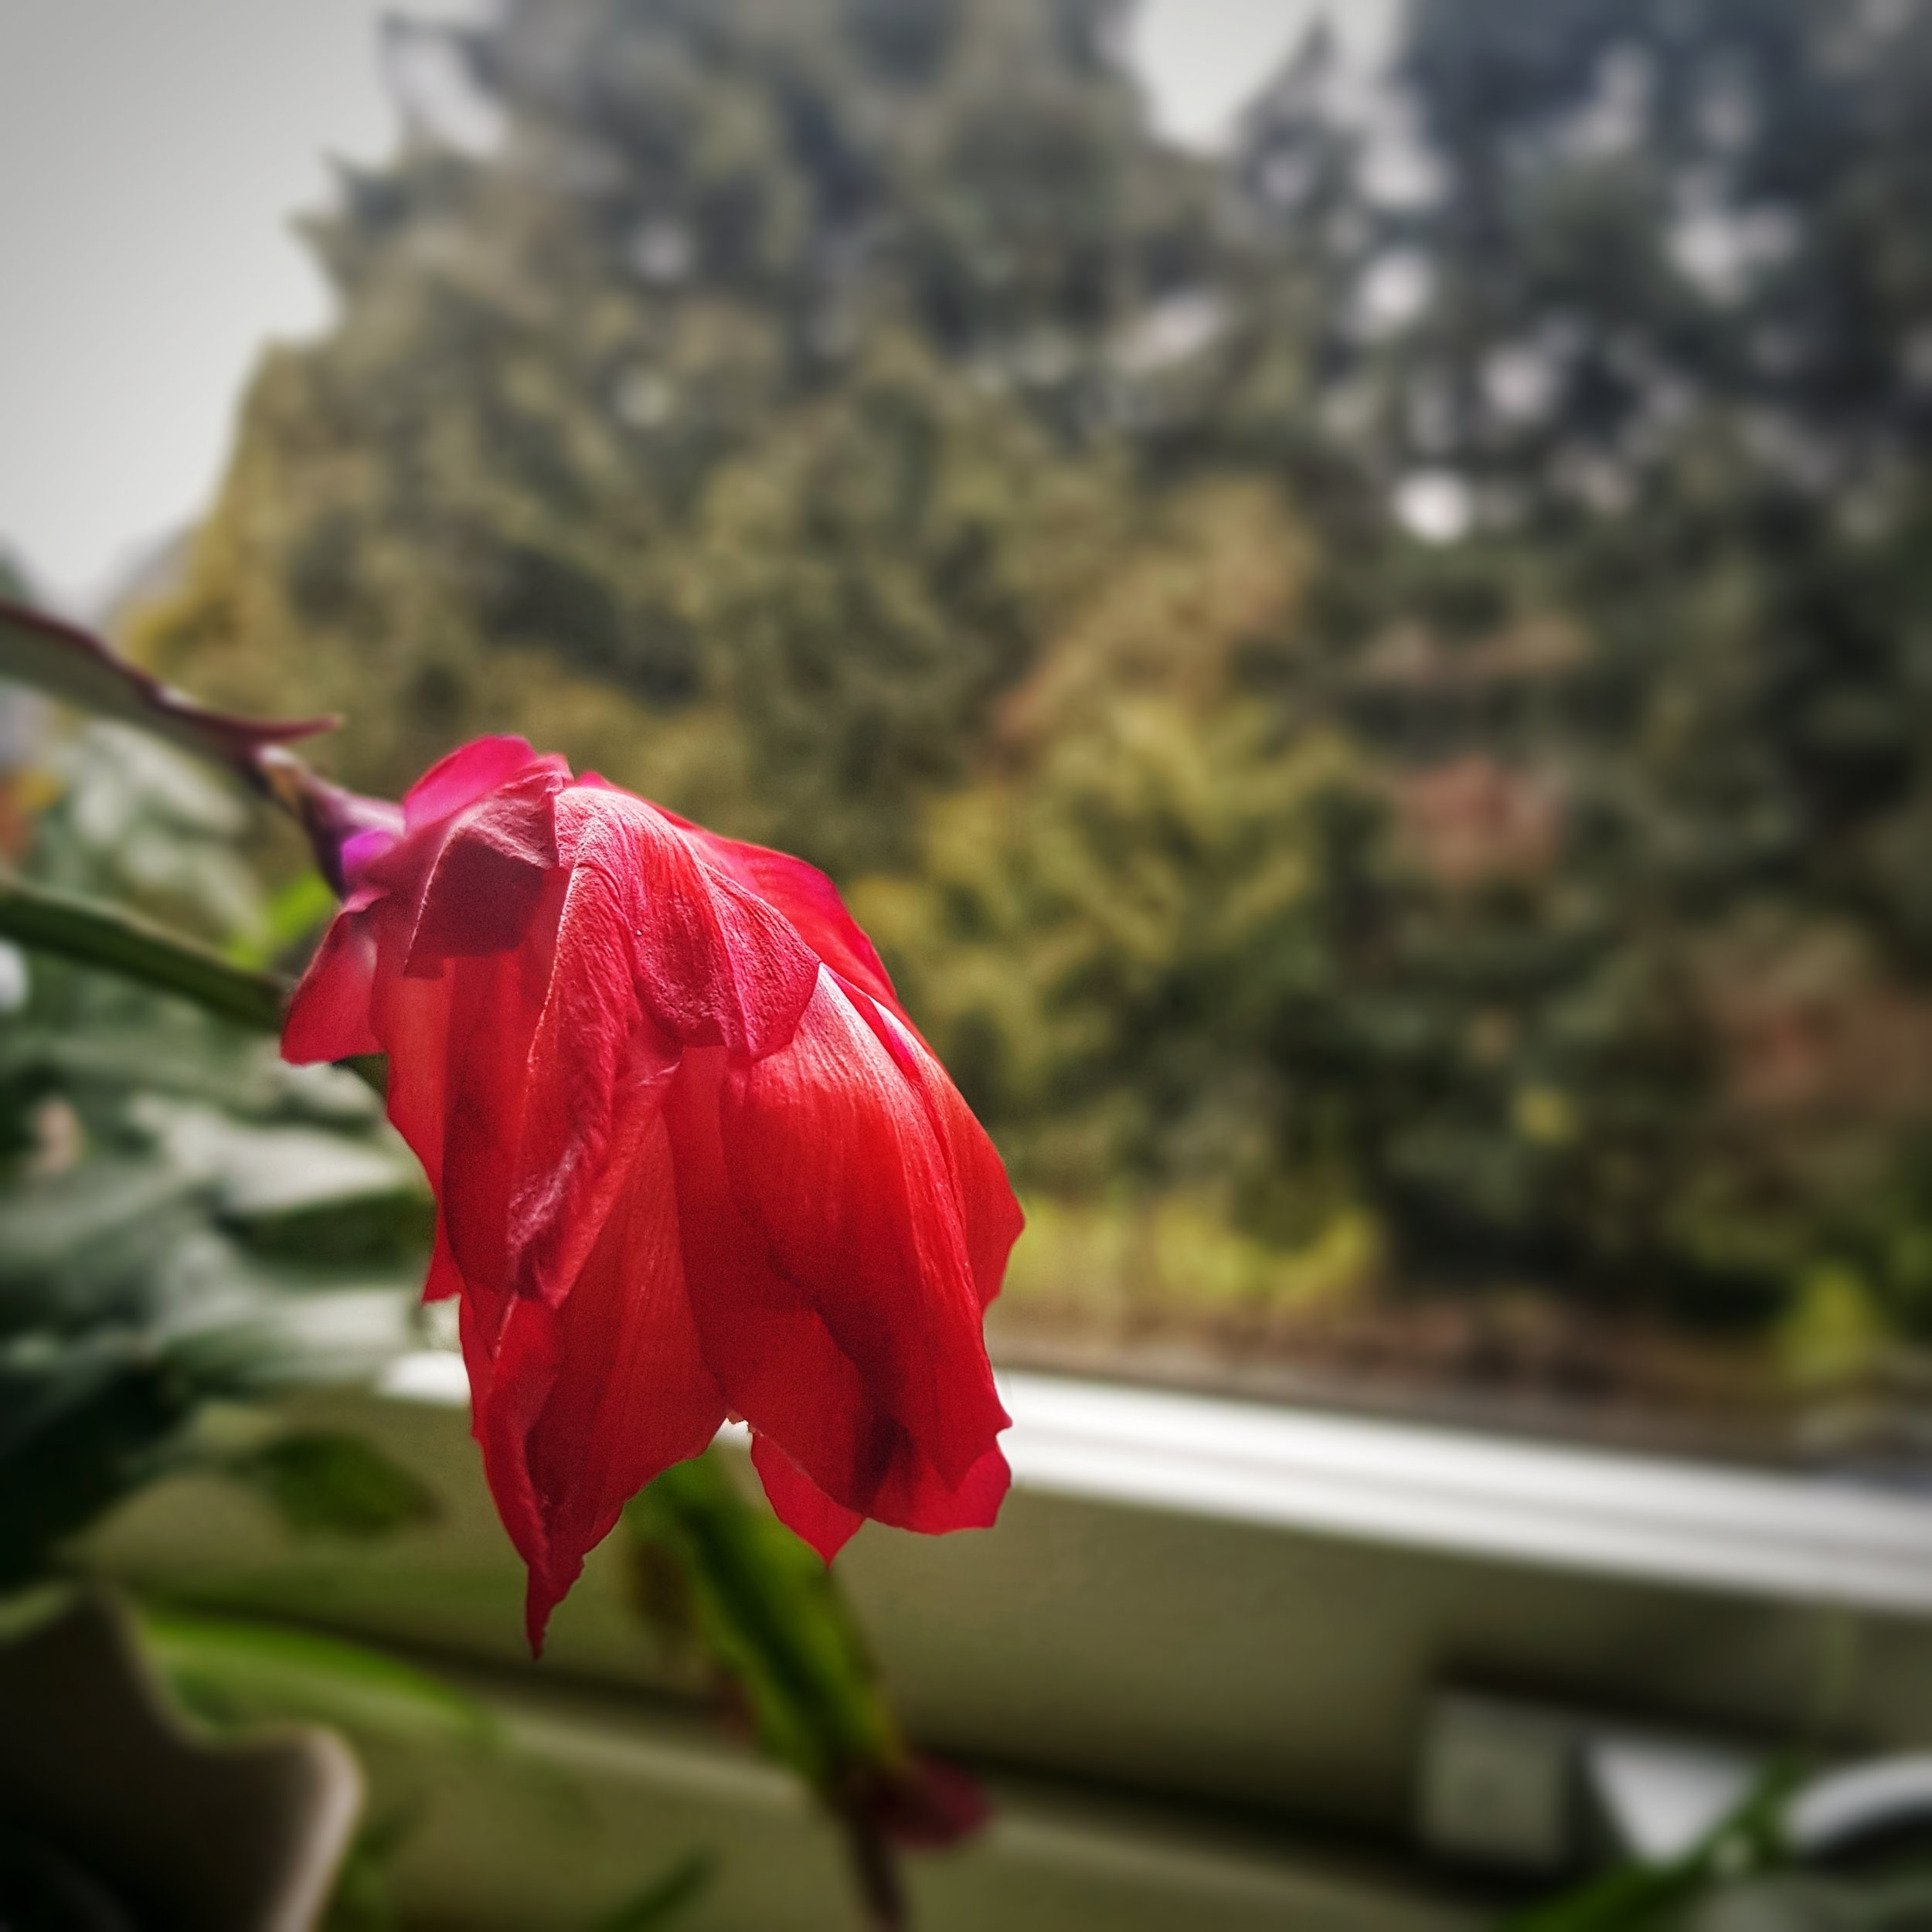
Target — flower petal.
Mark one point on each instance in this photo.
(809, 899)
(713, 963)
(597, 1069)
(585, 1403)
(410, 1019)
(445, 1279)
(773, 1356)
(917, 1497)
(689, 1154)
(781, 1364)
(329, 1014)
(487, 876)
(989, 1214)
(469, 772)
(799, 1503)
(492, 1009)
(832, 1156)
(912, 1496)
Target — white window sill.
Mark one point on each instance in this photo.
(1818, 1540)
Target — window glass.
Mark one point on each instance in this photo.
(1370, 676)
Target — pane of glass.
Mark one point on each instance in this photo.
(1364, 659)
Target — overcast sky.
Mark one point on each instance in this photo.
(151, 153)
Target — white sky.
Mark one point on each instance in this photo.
(152, 154)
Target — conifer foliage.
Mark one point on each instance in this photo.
(1379, 679)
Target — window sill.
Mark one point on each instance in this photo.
(1206, 1601)
(1800, 1539)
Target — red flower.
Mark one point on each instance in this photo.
(690, 1159)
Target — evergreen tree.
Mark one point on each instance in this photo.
(1385, 681)
(1636, 292)
(746, 374)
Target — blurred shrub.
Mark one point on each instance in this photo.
(154, 1165)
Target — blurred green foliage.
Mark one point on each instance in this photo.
(1746, 1875)
(664, 1901)
(163, 1260)
(1731, 1860)
(322, 1479)
(764, 1608)
(1375, 685)
(230, 1673)
(717, 1575)
(693, 427)
(156, 1161)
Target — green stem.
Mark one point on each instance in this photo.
(776, 1624)
(124, 942)
(77, 667)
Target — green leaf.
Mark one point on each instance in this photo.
(123, 943)
(300, 908)
(1632, 1899)
(1637, 1897)
(252, 1330)
(70, 664)
(325, 1481)
(371, 1069)
(364, 1232)
(231, 1672)
(263, 1171)
(87, 1245)
(665, 1899)
(364, 1899)
(773, 1617)
(82, 1427)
